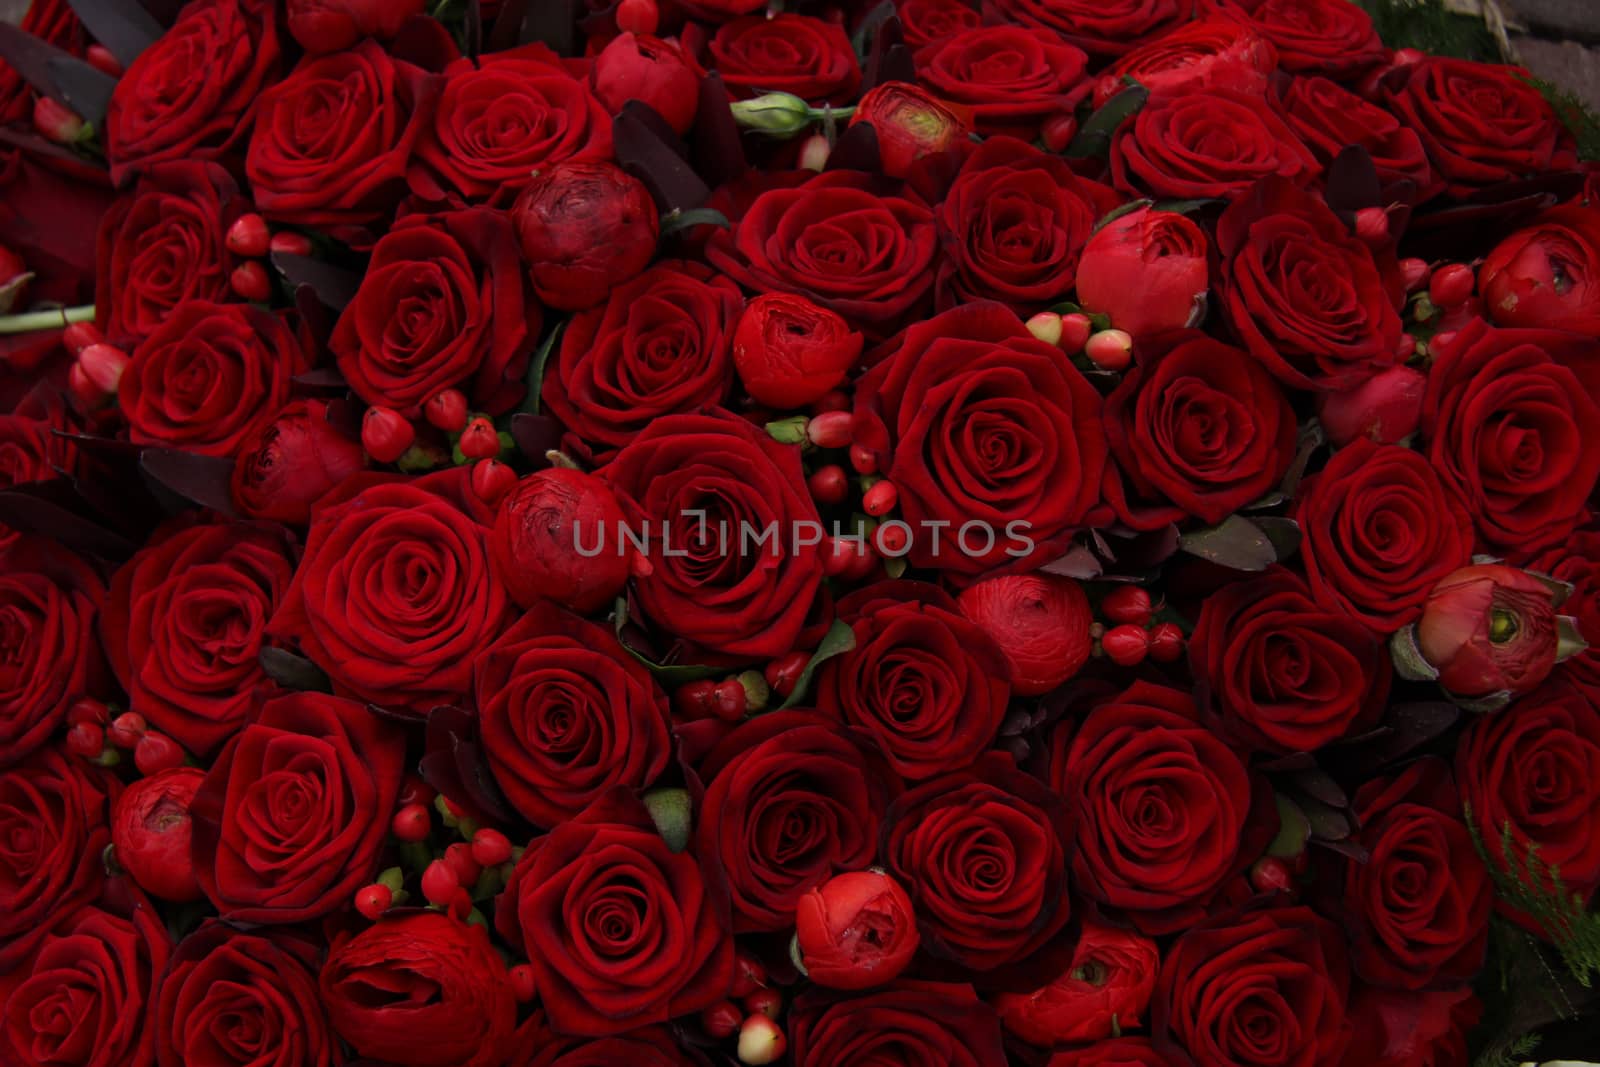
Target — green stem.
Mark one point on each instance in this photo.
(45, 320)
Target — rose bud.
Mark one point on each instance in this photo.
(559, 536)
(322, 26)
(911, 123)
(1041, 622)
(1147, 271)
(1386, 408)
(1547, 275)
(585, 228)
(1488, 629)
(856, 930)
(14, 279)
(291, 462)
(651, 71)
(150, 831)
(789, 352)
(1107, 988)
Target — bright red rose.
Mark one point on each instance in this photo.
(291, 817)
(1106, 990)
(652, 1046)
(1147, 270)
(908, 1024)
(290, 462)
(1333, 38)
(809, 57)
(392, 598)
(1118, 1052)
(1489, 629)
(565, 714)
(1041, 623)
(926, 684)
(789, 352)
(1209, 142)
(1547, 276)
(927, 21)
(1394, 1028)
(335, 25)
(1329, 118)
(1013, 78)
(621, 932)
(1206, 53)
(585, 228)
(29, 449)
(856, 930)
(650, 70)
(1577, 561)
(1099, 27)
(912, 124)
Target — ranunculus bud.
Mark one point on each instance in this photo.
(650, 70)
(150, 831)
(585, 228)
(291, 462)
(1547, 275)
(1387, 408)
(1146, 270)
(322, 26)
(789, 352)
(856, 930)
(1490, 629)
(558, 536)
(14, 279)
(911, 123)
(1040, 621)
(1106, 989)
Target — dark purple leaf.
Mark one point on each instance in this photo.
(1237, 543)
(30, 57)
(30, 513)
(647, 148)
(1079, 563)
(1345, 847)
(1284, 534)
(125, 29)
(553, 22)
(164, 11)
(856, 149)
(294, 672)
(718, 146)
(202, 479)
(1353, 181)
(83, 88)
(424, 42)
(1319, 785)
(456, 766)
(320, 378)
(889, 60)
(535, 435)
(334, 286)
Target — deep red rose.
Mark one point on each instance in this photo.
(834, 241)
(184, 627)
(1506, 419)
(1379, 532)
(164, 244)
(1105, 990)
(1197, 428)
(661, 344)
(910, 124)
(498, 120)
(192, 94)
(53, 812)
(445, 302)
(1481, 123)
(908, 1024)
(1103, 28)
(621, 932)
(927, 21)
(809, 57)
(1577, 561)
(54, 22)
(1283, 674)
(335, 25)
(791, 800)
(789, 352)
(732, 533)
(332, 139)
(1329, 118)
(652, 1046)
(585, 228)
(977, 422)
(1013, 78)
(209, 377)
(290, 462)
(1206, 53)
(717, 10)
(1118, 1052)
(232, 998)
(565, 714)
(1394, 1028)
(1206, 142)
(856, 930)
(393, 598)
(422, 989)
(1418, 907)
(1013, 227)
(1333, 38)
(291, 817)
(1041, 623)
(1547, 276)
(1168, 812)
(30, 450)
(650, 70)
(1147, 270)
(1264, 988)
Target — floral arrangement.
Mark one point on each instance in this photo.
(681, 533)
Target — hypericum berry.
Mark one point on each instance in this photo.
(86, 739)
(748, 975)
(829, 485)
(721, 1020)
(523, 983)
(1270, 874)
(56, 122)
(783, 674)
(289, 243)
(881, 499)
(1058, 132)
(90, 710)
(81, 335)
(892, 539)
(730, 701)
(1451, 285)
(862, 460)
(814, 153)
(638, 16)
(249, 236)
(490, 848)
(761, 1041)
(439, 883)
(492, 480)
(839, 554)
(373, 900)
(1372, 225)
(694, 700)
(458, 857)
(1415, 272)
(479, 440)
(1127, 603)
(156, 752)
(447, 409)
(103, 366)
(1046, 327)
(385, 434)
(100, 58)
(1110, 350)
(768, 1002)
(1126, 645)
(1075, 331)
(412, 823)
(1166, 642)
(251, 282)
(831, 429)
(126, 729)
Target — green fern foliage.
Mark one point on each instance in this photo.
(1428, 26)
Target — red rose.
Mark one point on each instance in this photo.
(1197, 428)
(798, 54)
(1147, 271)
(1329, 37)
(1283, 674)
(983, 428)
(585, 228)
(789, 352)
(1547, 276)
(1168, 812)
(800, 772)
(53, 811)
(984, 855)
(191, 95)
(856, 930)
(498, 120)
(1266, 987)
(908, 1024)
(1208, 142)
(1118, 1052)
(1395, 1028)
(927, 21)
(29, 450)
(1303, 294)
(1099, 27)
(1577, 561)
(184, 627)
(1208, 53)
(291, 817)
(1380, 531)
(831, 240)
(1481, 123)
(1013, 227)
(717, 10)
(230, 998)
(1418, 907)
(1489, 630)
(1041, 623)
(422, 989)
(566, 713)
(659, 345)
(745, 571)
(445, 302)
(1105, 991)
(54, 22)
(653, 1046)
(1329, 119)
(335, 25)
(650, 70)
(392, 598)
(209, 377)
(1506, 424)
(332, 139)
(1013, 78)
(909, 124)
(926, 684)
(620, 931)
(164, 244)
(290, 462)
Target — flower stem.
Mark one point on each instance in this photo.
(45, 320)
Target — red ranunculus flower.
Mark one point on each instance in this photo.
(291, 461)
(1547, 276)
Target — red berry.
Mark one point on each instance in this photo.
(748, 975)
(447, 410)
(760, 1041)
(1271, 875)
(1127, 603)
(861, 563)
(892, 539)
(1415, 272)
(880, 499)
(100, 58)
(693, 700)
(638, 16)
(88, 709)
(290, 244)
(56, 122)
(814, 153)
(1372, 225)
(439, 883)
(157, 752)
(86, 739)
(523, 985)
(103, 366)
(839, 554)
(1451, 285)
(415, 791)
(1166, 642)
(1110, 350)
(126, 729)
(1125, 645)
(1058, 132)
(373, 900)
(831, 429)
(829, 485)
(1046, 327)
(479, 440)
(249, 236)
(768, 1002)
(490, 848)
(81, 335)
(783, 674)
(730, 701)
(458, 857)
(862, 460)
(412, 823)
(251, 282)
(1075, 331)
(386, 434)
(721, 1019)
(492, 480)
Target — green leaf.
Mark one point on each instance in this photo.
(1409, 663)
(671, 810)
(1186, 207)
(678, 221)
(1294, 830)
(1236, 542)
(670, 675)
(860, 39)
(1094, 138)
(1117, 212)
(294, 672)
(840, 638)
(536, 365)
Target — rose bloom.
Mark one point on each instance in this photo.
(290, 462)
(1106, 990)
(1489, 628)
(1118, 1052)
(1329, 118)
(1147, 271)
(1396, 1028)
(1206, 143)
(1208, 52)
(856, 930)
(537, 1045)
(1013, 78)
(927, 21)
(1547, 275)
(334, 25)
(1099, 27)
(909, 1023)
(1332, 38)
(1577, 561)
(809, 57)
